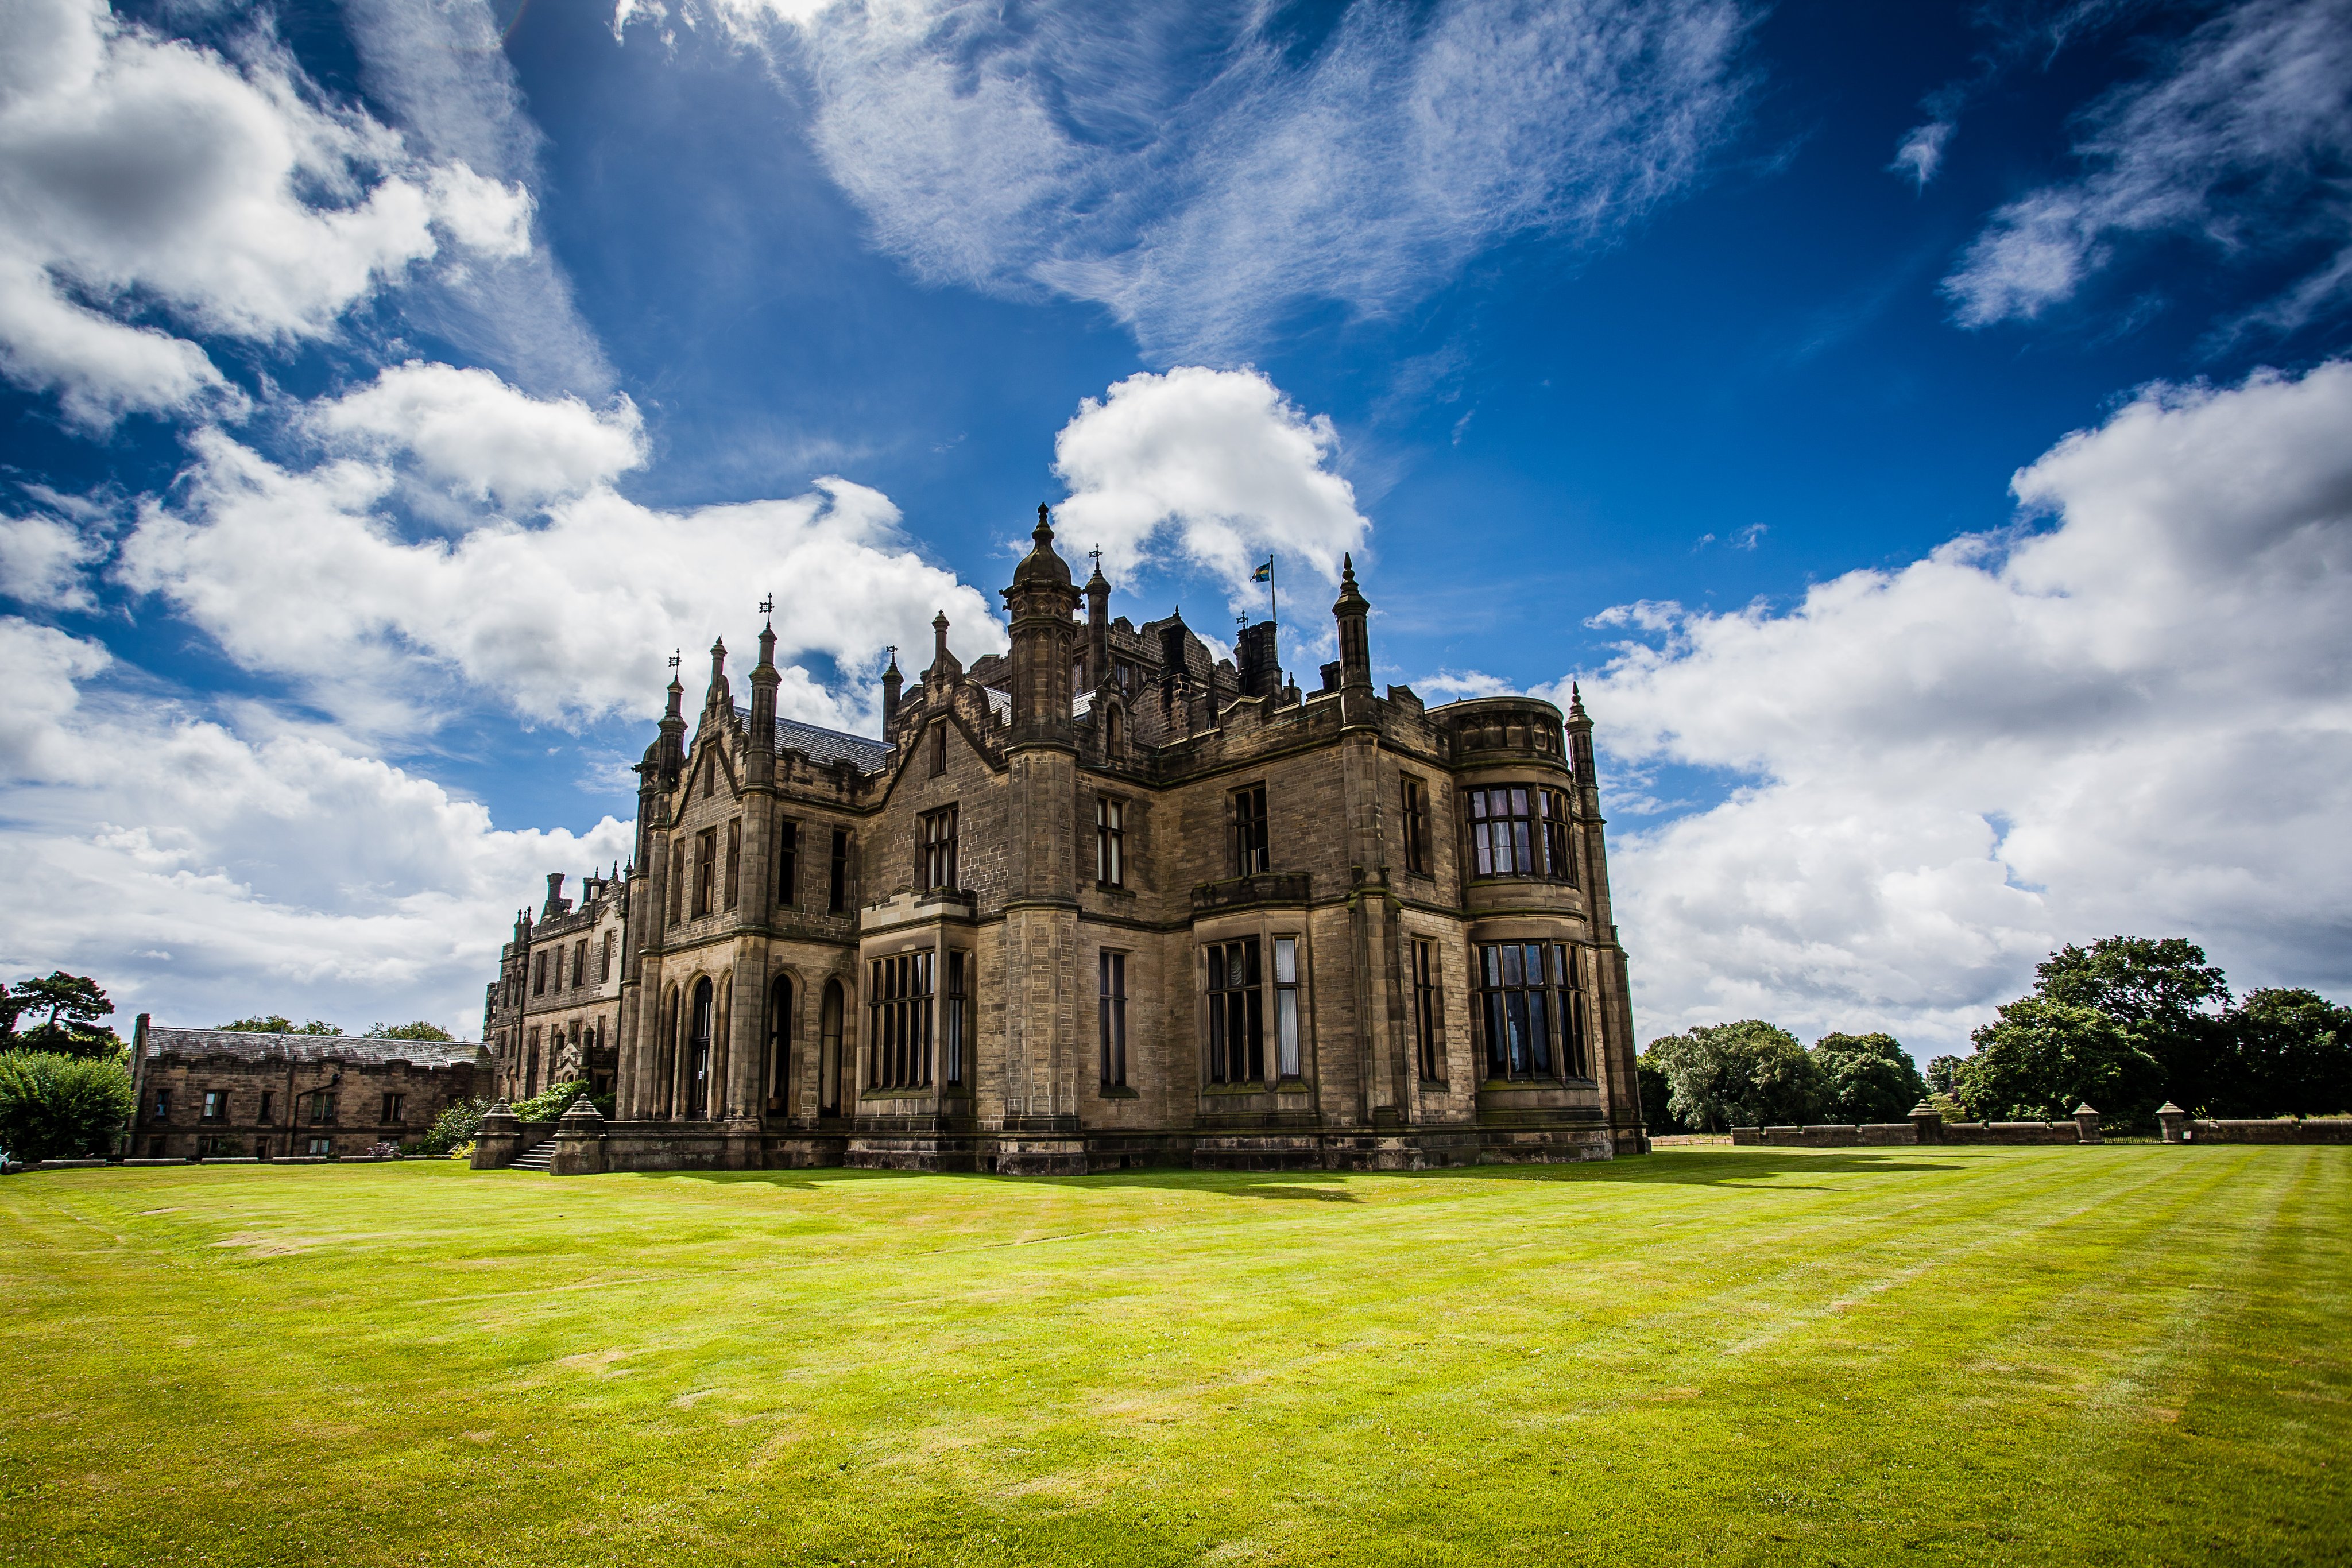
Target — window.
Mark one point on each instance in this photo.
(706, 870)
(162, 1104)
(952, 1021)
(555, 967)
(1580, 1061)
(901, 1034)
(698, 1049)
(828, 1044)
(938, 867)
(1236, 1014)
(836, 899)
(262, 1115)
(938, 748)
(538, 974)
(1113, 1019)
(1522, 989)
(1519, 831)
(1250, 846)
(734, 859)
(1114, 730)
(1423, 964)
(1416, 824)
(604, 968)
(215, 1104)
(1285, 1006)
(319, 1107)
(580, 963)
(1110, 842)
(323, 1146)
(677, 880)
(392, 1104)
(788, 862)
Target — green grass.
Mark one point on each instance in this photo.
(2122, 1354)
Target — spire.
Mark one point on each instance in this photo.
(1575, 702)
(1043, 563)
(768, 631)
(1097, 624)
(1039, 606)
(893, 682)
(676, 691)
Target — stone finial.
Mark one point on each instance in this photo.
(2084, 1110)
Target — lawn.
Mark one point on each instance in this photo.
(2117, 1354)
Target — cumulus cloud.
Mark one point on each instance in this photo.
(305, 574)
(2136, 720)
(2242, 137)
(206, 874)
(1214, 468)
(45, 562)
(141, 176)
(471, 433)
(1182, 165)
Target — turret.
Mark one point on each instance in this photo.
(1097, 626)
(720, 696)
(1355, 646)
(893, 682)
(946, 668)
(1041, 602)
(1579, 738)
(761, 749)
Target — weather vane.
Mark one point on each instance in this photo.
(768, 606)
(673, 657)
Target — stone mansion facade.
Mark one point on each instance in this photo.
(1099, 903)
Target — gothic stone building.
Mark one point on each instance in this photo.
(224, 1093)
(1102, 902)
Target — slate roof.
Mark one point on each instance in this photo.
(201, 1042)
(821, 745)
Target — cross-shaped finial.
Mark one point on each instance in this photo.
(673, 657)
(768, 606)
(1095, 555)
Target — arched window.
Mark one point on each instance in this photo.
(697, 1053)
(780, 1044)
(829, 1050)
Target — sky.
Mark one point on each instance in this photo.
(1924, 431)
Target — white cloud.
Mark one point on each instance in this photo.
(1181, 166)
(45, 562)
(2135, 721)
(201, 874)
(2241, 138)
(305, 575)
(475, 435)
(1214, 467)
(140, 175)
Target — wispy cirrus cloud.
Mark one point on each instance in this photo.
(1202, 172)
(2243, 137)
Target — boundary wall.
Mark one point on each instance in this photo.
(1926, 1126)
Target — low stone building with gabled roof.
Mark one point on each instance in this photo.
(229, 1093)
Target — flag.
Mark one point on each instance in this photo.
(1264, 573)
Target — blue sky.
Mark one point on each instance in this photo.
(1922, 429)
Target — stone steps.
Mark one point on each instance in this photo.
(541, 1158)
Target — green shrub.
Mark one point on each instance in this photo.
(57, 1107)
(556, 1099)
(456, 1125)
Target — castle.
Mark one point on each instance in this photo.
(1102, 902)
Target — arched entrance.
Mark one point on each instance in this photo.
(697, 1055)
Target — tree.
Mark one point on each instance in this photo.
(2039, 1059)
(420, 1030)
(2290, 1054)
(278, 1023)
(1944, 1074)
(53, 1106)
(1745, 1074)
(1867, 1078)
(1657, 1112)
(2163, 993)
(75, 1003)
